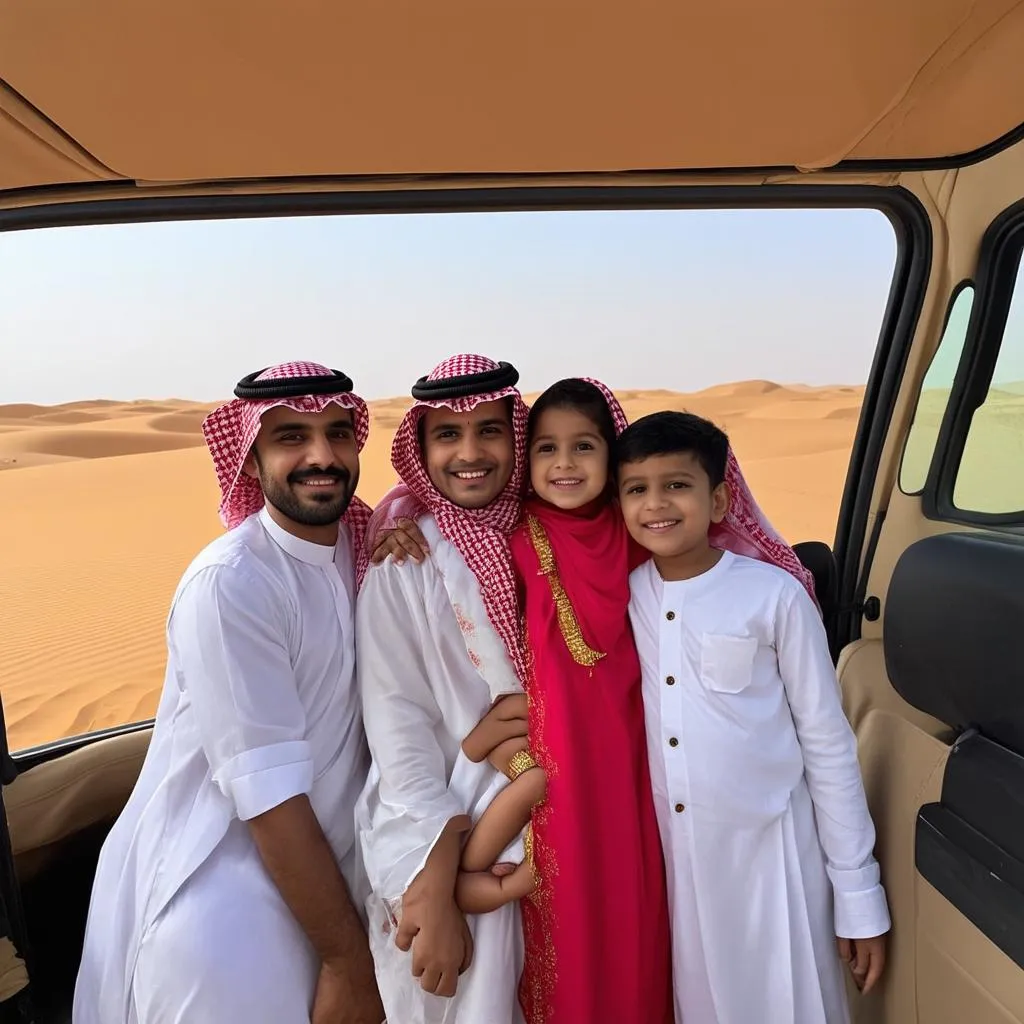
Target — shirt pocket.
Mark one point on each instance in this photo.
(727, 662)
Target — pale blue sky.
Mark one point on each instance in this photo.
(673, 299)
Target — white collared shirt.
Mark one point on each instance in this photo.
(742, 703)
(259, 705)
(261, 639)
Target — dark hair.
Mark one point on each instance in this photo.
(581, 395)
(672, 433)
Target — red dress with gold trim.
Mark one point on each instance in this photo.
(597, 927)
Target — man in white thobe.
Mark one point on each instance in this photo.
(438, 646)
(227, 889)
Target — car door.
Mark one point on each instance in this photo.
(15, 997)
(931, 616)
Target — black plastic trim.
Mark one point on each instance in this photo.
(8, 766)
(905, 212)
(857, 606)
(896, 202)
(30, 757)
(970, 845)
(996, 277)
(955, 859)
(546, 180)
(940, 163)
(903, 310)
(952, 636)
(906, 293)
(962, 286)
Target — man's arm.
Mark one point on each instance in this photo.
(301, 864)
(227, 634)
(414, 841)
(432, 925)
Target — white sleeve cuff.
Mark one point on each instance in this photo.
(258, 780)
(861, 915)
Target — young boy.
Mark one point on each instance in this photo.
(767, 836)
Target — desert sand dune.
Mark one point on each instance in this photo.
(24, 410)
(93, 444)
(745, 389)
(70, 417)
(98, 403)
(187, 421)
(107, 502)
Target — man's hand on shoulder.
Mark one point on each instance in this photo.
(406, 540)
(347, 994)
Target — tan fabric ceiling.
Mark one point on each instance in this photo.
(205, 90)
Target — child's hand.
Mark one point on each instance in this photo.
(504, 722)
(518, 880)
(405, 540)
(865, 958)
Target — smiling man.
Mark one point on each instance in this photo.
(227, 890)
(438, 645)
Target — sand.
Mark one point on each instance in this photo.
(106, 503)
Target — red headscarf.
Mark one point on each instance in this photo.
(618, 415)
(479, 534)
(745, 530)
(231, 430)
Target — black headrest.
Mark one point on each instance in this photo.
(817, 556)
(954, 632)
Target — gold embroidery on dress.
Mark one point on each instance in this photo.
(582, 653)
(540, 976)
(528, 851)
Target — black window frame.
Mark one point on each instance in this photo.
(853, 548)
(999, 262)
(958, 289)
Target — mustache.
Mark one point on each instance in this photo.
(471, 467)
(308, 474)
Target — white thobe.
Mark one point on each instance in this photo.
(765, 826)
(430, 666)
(259, 705)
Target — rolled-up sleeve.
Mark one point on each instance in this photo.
(228, 637)
(845, 828)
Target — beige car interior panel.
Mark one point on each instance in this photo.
(971, 199)
(60, 798)
(314, 89)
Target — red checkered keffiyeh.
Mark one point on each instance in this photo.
(479, 534)
(231, 429)
(745, 530)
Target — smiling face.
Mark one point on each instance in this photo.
(568, 458)
(669, 504)
(308, 466)
(469, 456)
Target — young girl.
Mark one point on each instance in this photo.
(595, 917)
